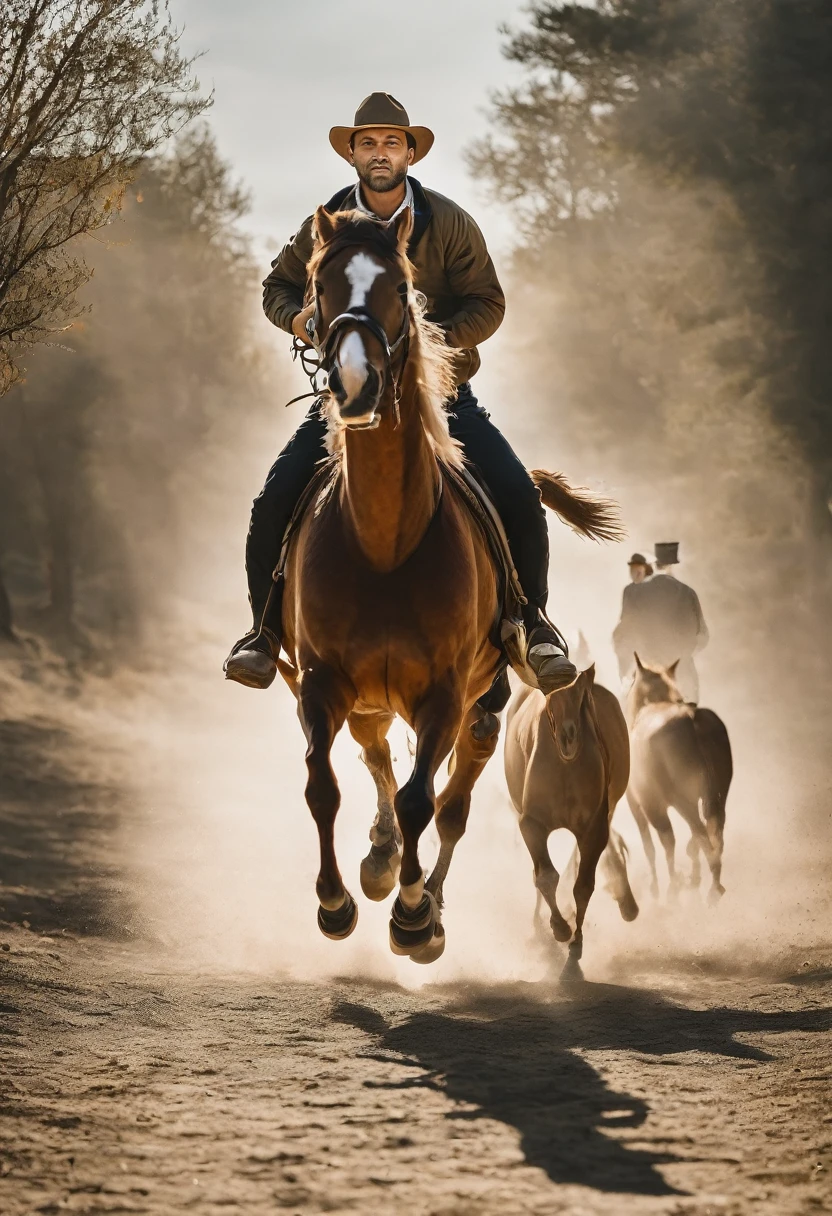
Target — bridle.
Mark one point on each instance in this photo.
(325, 347)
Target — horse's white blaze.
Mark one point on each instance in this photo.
(352, 364)
(362, 271)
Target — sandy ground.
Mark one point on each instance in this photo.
(141, 1076)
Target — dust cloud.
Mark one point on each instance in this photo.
(219, 847)
(223, 850)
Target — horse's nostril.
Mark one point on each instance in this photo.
(335, 385)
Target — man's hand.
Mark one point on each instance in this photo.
(299, 323)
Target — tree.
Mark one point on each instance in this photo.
(117, 451)
(88, 88)
(667, 162)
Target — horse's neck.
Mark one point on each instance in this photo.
(391, 482)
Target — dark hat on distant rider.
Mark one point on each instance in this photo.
(638, 559)
(381, 110)
(667, 552)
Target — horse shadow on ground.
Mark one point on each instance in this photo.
(56, 866)
(511, 1056)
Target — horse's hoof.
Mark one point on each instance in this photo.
(715, 894)
(380, 873)
(485, 726)
(571, 973)
(412, 929)
(628, 908)
(339, 924)
(433, 950)
(561, 930)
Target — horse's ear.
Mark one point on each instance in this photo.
(639, 663)
(324, 225)
(671, 671)
(589, 676)
(403, 229)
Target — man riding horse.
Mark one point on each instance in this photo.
(455, 273)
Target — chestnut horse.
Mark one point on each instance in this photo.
(567, 761)
(391, 598)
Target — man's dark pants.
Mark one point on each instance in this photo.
(515, 496)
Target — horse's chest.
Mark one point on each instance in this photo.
(563, 794)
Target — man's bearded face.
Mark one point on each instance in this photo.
(381, 157)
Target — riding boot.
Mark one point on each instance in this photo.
(547, 654)
(253, 659)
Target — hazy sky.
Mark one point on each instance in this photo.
(285, 72)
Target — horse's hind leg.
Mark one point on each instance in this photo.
(546, 877)
(613, 870)
(323, 703)
(646, 841)
(473, 749)
(714, 812)
(699, 841)
(693, 851)
(380, 868)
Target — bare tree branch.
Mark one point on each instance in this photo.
(88, 89)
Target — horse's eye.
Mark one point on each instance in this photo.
(319, 291)
(402, 289)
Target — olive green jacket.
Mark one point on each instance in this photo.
(453, 269)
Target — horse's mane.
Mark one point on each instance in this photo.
(431, 358)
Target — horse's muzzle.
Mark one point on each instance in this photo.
(360, 414)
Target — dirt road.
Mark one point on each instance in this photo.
(138, 1080)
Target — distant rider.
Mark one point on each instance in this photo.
(454, 271)
(661, 621)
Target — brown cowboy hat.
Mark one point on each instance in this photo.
(381, 110)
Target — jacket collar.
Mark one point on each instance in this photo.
(343, 200)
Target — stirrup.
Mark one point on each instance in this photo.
(551, 667)
(252, 659)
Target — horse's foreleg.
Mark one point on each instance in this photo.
(546, 877)
(323, 703)
(591, 843)
(414, 922)
(715, 827)
(660, 820)
(380, 868)
(473, 749)
(646, 841)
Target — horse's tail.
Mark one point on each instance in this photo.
(587, 513)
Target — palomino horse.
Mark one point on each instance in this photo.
(681, 758)
(567, 763)
(390, 598)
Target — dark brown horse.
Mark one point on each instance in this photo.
(391, 597)
(681, 758)
(567, 760)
